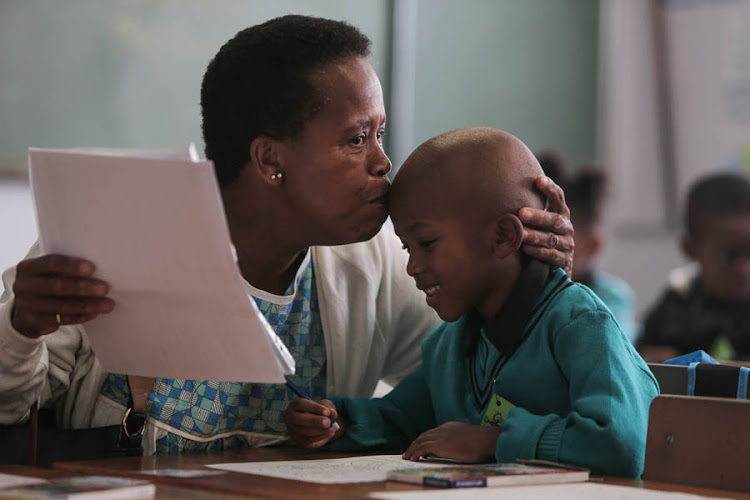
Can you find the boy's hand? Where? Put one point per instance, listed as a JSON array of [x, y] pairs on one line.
[[548, 234], [309, 424], [455, 440]]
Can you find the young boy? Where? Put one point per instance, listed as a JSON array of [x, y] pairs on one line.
[[712, 304], [586, 196], [527, 364]]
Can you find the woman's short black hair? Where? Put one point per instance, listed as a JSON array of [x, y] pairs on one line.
[[259, 84]]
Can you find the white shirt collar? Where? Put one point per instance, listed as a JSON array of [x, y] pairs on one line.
[[281, 300]]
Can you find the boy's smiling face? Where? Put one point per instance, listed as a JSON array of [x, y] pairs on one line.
[[453, 204], [449, 260]]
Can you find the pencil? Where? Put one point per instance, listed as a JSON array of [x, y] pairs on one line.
[[302, 395]]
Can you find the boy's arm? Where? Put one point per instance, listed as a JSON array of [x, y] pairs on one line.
[[620, 299], [610, 391], [391, 422]]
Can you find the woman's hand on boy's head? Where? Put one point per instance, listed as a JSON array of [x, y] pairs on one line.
[[456, 440], [309, 422], [548, 234]]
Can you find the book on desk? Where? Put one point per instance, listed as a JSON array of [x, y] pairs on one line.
[[484, 475], [83, 487]]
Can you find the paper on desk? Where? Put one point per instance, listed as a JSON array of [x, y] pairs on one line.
[[155, 228], [571, 491], [14, 481], [360, 469]]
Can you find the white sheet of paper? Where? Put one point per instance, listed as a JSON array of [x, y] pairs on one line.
[[361, 469], [155, 229], [14, 481], [570, 491]]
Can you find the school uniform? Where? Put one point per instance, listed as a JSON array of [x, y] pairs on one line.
[[689, 319], [617, 295], [580, 390]]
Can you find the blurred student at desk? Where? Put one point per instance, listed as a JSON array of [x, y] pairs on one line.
[[707, 305], [293, 119]]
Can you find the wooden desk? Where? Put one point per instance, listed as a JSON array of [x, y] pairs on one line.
[[163, 491], [268, 487]]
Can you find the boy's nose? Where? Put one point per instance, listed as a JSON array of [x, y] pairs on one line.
[[412, 267]]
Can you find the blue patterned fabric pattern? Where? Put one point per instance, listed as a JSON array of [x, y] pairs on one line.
[[205, 408]]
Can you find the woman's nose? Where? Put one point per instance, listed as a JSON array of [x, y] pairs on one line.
[[380, 164]]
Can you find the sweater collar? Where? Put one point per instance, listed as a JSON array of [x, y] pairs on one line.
[[505, 330]]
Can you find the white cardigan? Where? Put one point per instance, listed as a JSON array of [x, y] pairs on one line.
[[373, 318]]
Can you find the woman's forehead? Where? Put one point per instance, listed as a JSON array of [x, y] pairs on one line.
[[350, 83]]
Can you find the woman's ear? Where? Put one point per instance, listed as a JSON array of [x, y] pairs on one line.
[[265, 158], [508, 235]]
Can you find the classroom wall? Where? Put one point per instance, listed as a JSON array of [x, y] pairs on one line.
[[641, 246], [125, 73], [526, 67], [122, 73]]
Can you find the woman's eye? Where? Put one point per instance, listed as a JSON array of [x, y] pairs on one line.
[[405, 247], [426, 244], [359, 140]]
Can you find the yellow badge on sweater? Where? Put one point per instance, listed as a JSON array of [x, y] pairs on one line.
[[497, 411]]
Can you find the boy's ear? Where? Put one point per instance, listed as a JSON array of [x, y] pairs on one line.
[[687, 243], [265, 157], [507, 235]]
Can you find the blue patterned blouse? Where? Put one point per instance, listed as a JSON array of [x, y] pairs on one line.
[[220, 414]]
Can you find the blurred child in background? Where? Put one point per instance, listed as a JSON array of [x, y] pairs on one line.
[[586, 195], [707, 306]]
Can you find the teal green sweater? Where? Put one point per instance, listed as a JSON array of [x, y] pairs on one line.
[[582, 393]]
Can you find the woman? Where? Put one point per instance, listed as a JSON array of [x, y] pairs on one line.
[[293, 119]]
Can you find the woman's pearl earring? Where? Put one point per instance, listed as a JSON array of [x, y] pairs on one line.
[[276, 176]]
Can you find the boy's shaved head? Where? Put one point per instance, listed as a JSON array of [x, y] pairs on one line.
[[454, 205], [477, 172]]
